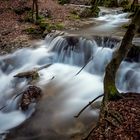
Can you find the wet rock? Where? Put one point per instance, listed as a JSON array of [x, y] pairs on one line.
[[72, 40], [134, 54], [28, 96]]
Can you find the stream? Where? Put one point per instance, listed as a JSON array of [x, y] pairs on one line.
[[70, 89]]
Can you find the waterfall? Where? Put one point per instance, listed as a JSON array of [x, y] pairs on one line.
[[68, 54]]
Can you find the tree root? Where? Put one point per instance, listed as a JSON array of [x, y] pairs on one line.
[[86, 138]]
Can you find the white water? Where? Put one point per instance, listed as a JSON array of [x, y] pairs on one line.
[[67, 93], [71, 92], [109, 22], [111, 19]]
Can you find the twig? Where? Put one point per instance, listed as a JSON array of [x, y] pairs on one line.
[[88, 105], [3, 107], [84, 66], [91, 58], [43, 67]]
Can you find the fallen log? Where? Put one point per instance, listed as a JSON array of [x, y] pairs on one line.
[[31, 73]]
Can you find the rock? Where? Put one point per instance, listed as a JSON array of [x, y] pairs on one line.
[[28, 96]]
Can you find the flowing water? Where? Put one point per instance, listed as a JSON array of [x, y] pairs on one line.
[[69, 90], [109, 23]]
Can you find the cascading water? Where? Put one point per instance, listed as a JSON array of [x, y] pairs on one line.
[[109, 22], [67, 92]]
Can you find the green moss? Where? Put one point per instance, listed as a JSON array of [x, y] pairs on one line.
[[125, 26], [57, 26], [74, 16], [35, 76], [113, 93]]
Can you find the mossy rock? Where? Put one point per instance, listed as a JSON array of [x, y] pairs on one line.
[[90, 12]]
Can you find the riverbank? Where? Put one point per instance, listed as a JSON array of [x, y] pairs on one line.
[[17, 32]]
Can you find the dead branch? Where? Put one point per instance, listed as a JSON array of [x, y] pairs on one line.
[[83, 66], [31, 73], [91, 58], [2, 107], [88, 105]]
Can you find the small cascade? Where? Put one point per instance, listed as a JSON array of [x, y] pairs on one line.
[[68, 92]]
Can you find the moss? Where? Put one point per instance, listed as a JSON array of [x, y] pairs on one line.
[[125, 26], [113, 93], [57, 26], [35, 76], [74, 16]]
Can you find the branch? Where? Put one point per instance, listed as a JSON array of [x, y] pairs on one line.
[[84, 66], [88, 105], [91, 58], [31, 73]]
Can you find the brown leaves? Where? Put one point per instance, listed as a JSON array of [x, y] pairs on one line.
[[129, 128]]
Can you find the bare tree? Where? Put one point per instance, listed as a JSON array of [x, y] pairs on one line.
[[35, 10]]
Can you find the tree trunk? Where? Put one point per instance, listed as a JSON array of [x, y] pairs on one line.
[[111, 69], [36, 9], [33, 11], [134, 5]]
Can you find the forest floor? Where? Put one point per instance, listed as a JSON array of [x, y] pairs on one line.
[[123, 123], [14, 31]]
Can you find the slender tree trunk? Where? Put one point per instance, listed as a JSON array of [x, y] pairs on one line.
[[36, 9], [133, 5], [112, 67], [33, 10], [94, 4]]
